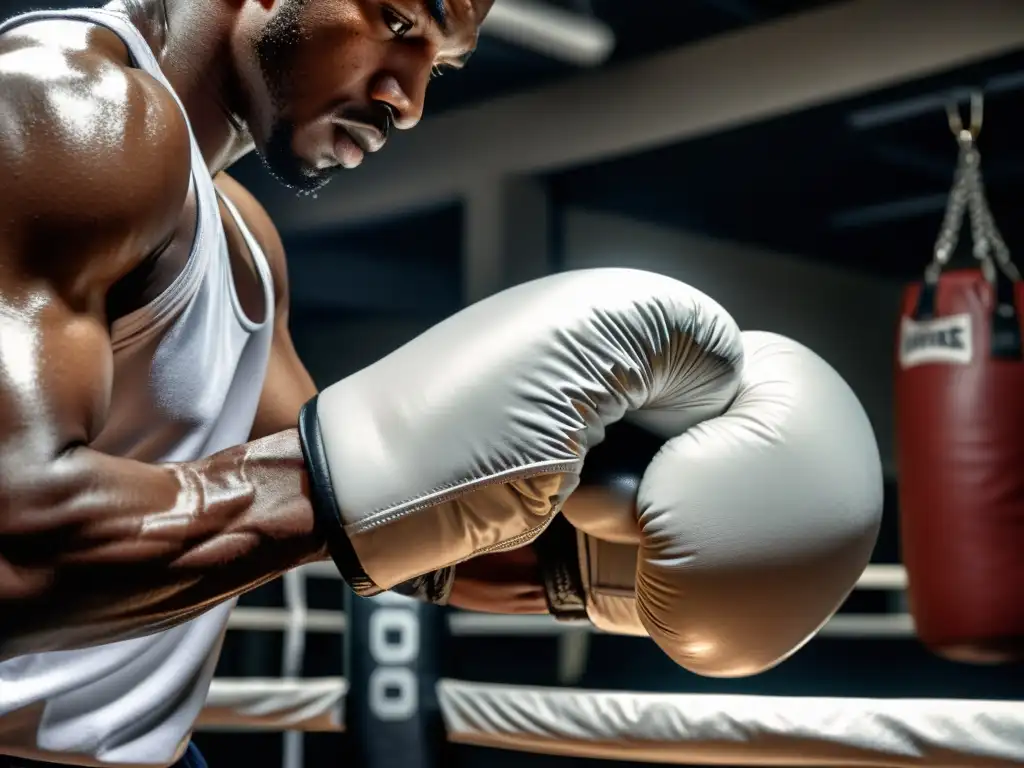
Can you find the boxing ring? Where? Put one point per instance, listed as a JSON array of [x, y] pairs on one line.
[[684, 729]]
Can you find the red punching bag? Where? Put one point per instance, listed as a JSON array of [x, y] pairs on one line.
[[960, 440]]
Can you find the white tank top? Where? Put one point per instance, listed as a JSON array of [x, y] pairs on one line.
[[188, 370]]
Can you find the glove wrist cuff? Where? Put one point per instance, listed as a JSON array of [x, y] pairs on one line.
[[557, 551], [326, 514]]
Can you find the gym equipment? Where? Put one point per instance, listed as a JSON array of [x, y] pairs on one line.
[[960, 432]]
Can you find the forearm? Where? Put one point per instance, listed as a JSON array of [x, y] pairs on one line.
[[95, 548]]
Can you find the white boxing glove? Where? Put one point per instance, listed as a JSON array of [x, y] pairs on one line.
[[470, 437], [747, 532]]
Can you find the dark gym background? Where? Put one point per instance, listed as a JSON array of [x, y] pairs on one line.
[[804, 220]]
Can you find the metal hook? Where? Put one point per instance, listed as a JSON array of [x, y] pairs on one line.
[[969, 135]]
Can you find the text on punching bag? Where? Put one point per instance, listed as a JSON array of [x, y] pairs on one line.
[[942, 340]]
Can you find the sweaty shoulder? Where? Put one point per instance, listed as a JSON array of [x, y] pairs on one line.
[[94, 151]]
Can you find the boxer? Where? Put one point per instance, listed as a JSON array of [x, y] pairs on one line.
[[147, 293], [164, 450]]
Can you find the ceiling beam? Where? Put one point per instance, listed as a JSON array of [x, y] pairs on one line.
[[836, 52], [882, 115], [576, 38]]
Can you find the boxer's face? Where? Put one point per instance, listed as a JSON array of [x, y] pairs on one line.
[[334, 77]]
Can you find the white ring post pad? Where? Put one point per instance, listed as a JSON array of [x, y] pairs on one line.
[[735, 730]]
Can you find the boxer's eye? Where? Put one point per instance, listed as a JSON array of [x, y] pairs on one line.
[[396, 23]]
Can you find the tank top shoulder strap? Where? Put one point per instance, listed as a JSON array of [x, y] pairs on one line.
[[259, 259]]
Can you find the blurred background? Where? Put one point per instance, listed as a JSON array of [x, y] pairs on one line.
[[791, 158]]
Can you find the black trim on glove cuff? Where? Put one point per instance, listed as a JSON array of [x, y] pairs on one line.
[[326, 513], [557, 551]]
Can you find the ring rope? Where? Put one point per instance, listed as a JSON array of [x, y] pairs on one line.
[[875, 578], [683, 729], [312, 705], [663, 728], [890, 625], [702, 729]]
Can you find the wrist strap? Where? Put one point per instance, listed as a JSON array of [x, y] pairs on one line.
[[327, 515], [558, 554]]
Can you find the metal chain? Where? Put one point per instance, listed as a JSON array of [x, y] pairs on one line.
[[968, 197], [989, 246], [993, 245], [976, 206], [952, 222]]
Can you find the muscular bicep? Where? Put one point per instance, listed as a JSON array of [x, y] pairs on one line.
[[88, 196], [97, 548]]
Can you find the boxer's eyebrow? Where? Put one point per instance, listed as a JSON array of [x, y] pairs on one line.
[[438, 13]]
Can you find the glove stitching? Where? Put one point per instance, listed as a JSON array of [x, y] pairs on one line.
[[446, 493]]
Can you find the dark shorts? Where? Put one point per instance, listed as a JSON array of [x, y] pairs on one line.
[[192, 758]]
